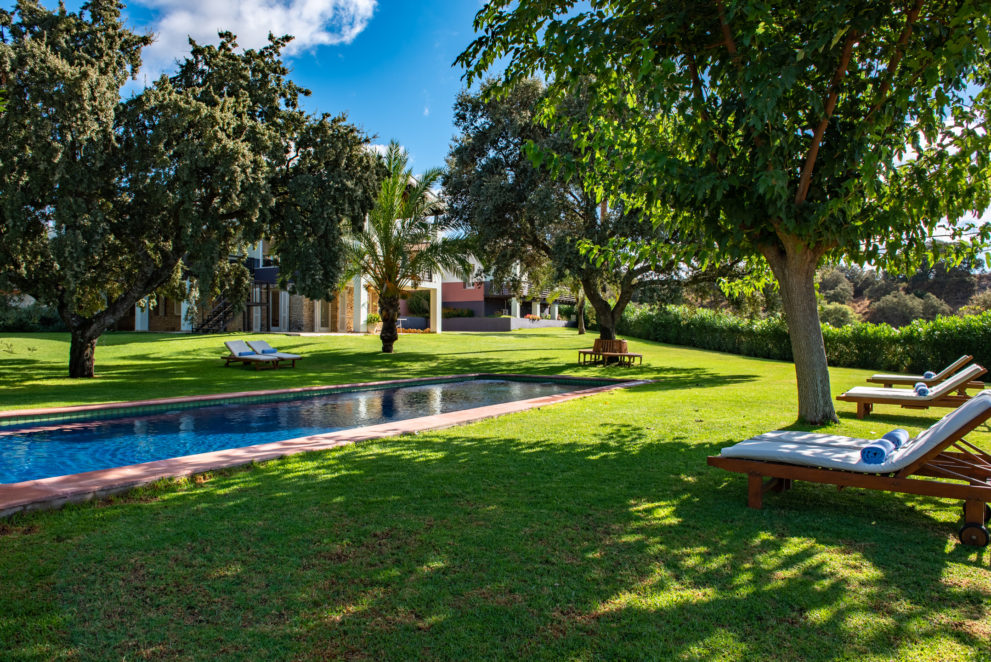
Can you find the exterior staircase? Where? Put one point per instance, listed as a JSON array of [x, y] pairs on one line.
[[217, 319]]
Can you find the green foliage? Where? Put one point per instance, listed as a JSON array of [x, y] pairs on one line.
[[32, 317], [896, 309], [881, 288], [842, 293], [859, 277], [834, 286], [527, 218], [373, 318], [706, 110], [104, 200], [952, 284], [418, 303], [457, 312], [921, 345], [837, 314], [978, 303], [933, 307], [786, 133]]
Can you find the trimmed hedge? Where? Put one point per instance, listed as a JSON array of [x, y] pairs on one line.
[[920, 346]]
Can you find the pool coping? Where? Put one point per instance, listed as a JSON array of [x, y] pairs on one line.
[[57, 491]]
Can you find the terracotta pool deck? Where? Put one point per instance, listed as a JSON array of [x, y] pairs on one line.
[[55, 492]]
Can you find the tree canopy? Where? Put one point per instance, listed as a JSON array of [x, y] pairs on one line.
[[788, 132], [105, 200], [525, 217]]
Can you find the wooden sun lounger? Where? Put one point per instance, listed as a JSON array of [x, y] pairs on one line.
[[241, 353], [603, 350], [965, 462], [888, 381], [941, 396], [263, 348]]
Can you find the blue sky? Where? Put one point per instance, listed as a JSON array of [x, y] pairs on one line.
[[386, 63]]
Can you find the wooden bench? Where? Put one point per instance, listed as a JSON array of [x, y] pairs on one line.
[[604, 350]]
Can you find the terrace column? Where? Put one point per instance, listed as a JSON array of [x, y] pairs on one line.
[[553, 311], [535, 307], [435, 311], [185, 324], [514, 307], [256, 313], [360, 306], [141, 316]]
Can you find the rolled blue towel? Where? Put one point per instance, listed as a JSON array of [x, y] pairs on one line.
[[245, 353], [897, 437], [919, 385], [922, 390], [928, 374], [273, 351], [877, 451]]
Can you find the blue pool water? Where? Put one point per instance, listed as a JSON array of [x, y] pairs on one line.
[[74, 448]]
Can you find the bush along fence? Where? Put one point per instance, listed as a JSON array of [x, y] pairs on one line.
[[918, 347]]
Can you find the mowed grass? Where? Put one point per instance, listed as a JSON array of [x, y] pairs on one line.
[[587, 530]]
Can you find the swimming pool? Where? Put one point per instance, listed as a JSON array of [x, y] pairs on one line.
[[74, 444]]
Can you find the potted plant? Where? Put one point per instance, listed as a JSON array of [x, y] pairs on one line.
[[374, 322]]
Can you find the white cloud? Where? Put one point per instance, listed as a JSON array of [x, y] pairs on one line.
[[312, 23], [426, 111]]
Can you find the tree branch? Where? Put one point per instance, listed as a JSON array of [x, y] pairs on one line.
[[697, 86], [727, 33], [896, 58], [834, 92]]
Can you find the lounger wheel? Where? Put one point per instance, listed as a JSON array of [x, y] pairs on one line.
[[974, 534]]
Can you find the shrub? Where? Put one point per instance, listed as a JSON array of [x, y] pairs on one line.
[[840, 294], [830, 279], [881, 288], [32, 317], [457, 312], [896, 309], [919, 346], [933, 307], [977, 303], [861, 279], [837, 314], [418, 303], [373, 319]]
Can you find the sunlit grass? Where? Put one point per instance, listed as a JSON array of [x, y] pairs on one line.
[[592, 529]]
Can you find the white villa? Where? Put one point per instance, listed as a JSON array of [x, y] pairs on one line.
[[271, 309]]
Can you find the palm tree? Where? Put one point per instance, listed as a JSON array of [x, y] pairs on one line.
[[403, 239]]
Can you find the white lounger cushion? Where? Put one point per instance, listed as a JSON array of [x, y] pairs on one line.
[[941, 389], [236, 347], [832, 451], [940, 376], [264, 348]]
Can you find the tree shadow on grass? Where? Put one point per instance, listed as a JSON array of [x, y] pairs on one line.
[[467, 545]]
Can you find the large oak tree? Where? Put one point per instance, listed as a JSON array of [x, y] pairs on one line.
[[105, 200], [792, 132], [529, 219]]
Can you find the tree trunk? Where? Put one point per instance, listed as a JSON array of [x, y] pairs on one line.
[[82, 354], [389, 311], [607, 317], [581, 315], [794, 266]]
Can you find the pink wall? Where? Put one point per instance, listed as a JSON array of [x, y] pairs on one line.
[[457, 292]]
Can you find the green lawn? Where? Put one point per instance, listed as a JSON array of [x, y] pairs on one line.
[[592, 529]]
